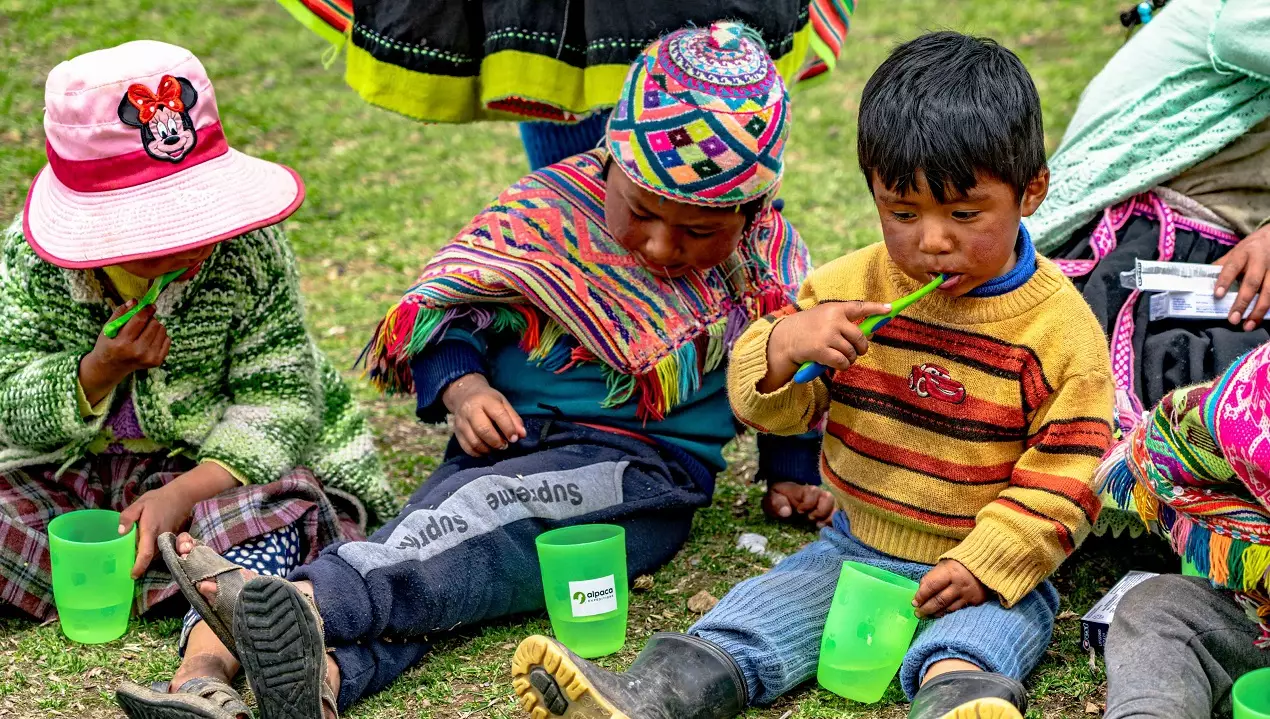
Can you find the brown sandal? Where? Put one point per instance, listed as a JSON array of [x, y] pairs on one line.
[[198, 698], [202, 564]]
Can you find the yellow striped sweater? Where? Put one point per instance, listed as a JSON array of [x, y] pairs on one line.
[[970, 430]]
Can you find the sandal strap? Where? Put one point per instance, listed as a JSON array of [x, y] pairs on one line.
[[328, 701], [217, 692], [317, 614], [204, 563], [229, 585], [201, 564]]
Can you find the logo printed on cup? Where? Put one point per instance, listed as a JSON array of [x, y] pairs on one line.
[[593, 596]]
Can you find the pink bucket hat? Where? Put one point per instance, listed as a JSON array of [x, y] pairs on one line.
[[138, 163]]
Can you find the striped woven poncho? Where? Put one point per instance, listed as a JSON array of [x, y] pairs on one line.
[[1198, 472], [539, 261]]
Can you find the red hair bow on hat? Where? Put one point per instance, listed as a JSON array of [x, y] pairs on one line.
[[148, 103]]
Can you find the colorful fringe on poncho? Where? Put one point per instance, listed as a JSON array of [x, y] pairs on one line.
[[539, 261], [1198, 472]]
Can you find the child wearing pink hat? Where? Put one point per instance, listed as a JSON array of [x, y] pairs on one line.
[[211, 409]]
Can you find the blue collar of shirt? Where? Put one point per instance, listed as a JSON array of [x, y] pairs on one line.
[[1024, 268]]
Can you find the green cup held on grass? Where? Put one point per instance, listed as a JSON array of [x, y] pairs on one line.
[[868, 631], [584, 581], [92, 574], [1251, 695]]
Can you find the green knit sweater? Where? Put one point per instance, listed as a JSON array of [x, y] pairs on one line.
[[243, 383], [1188, 84]]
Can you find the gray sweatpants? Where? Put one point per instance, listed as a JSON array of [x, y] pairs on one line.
[[1175, 648]]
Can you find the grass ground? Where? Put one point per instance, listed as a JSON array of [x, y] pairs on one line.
[[383, 192]]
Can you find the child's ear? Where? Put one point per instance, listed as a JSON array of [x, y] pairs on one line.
[[1035, 192], [189, 96], [130, 115]]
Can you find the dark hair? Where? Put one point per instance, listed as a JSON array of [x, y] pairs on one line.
[[950, 105]]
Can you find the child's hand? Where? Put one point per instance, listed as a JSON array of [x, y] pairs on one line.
[[785, 499], [143, 343], [826, 333], [168, 508], [484, 420], [947, 587]]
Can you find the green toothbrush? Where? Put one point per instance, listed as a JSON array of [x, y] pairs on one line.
[[811, 370], [112, 328]]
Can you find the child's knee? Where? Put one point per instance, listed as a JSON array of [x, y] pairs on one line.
[[1159, 602]]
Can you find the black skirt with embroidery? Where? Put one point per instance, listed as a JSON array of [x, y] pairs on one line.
[[558, 60]]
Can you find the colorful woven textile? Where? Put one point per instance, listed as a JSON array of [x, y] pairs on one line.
[[830, 20], [330, 19], [1196, 472], [540, 260], [703, 117], [464, 61]]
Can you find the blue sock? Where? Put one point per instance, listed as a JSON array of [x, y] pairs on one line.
[[547, 143]]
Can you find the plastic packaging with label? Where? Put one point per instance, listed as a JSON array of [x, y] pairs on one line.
[[1185, 290], [1193, 306], [1151, 276], [1096, 622]]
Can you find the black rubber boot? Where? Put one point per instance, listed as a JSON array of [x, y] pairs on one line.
[[969, 695], [676, 677]]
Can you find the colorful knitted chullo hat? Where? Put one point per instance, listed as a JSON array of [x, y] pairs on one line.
[[703, 118]]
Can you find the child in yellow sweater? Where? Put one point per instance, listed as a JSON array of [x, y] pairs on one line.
[[961, 438]]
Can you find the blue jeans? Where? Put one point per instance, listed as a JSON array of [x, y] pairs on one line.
[[771, 624]]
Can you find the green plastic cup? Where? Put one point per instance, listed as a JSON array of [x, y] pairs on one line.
[[867, 633], [1251, 695], [1189, 570], [92, 574], [585, 584]]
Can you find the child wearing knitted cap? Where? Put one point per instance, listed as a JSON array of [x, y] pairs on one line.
[[210, 410], [576, 331], [959, 449]]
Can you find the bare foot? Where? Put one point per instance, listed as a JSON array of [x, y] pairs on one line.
[[193, 666]]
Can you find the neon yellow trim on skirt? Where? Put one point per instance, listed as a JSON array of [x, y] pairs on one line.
[[505, 75]]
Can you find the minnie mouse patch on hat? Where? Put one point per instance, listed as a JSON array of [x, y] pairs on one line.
[[138, 165]]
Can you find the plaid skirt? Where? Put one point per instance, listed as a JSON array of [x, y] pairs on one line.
[[32, 497]]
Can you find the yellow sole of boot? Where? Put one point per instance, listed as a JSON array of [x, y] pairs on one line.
[[985, 709], [538, 658]]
